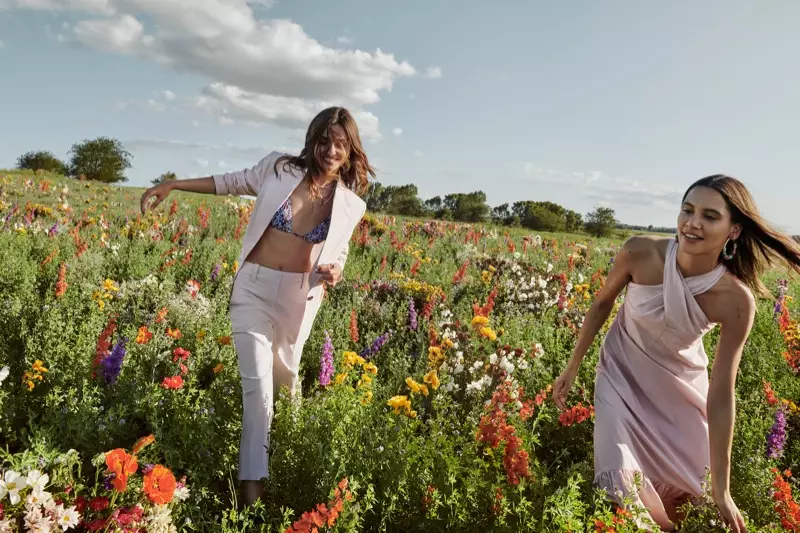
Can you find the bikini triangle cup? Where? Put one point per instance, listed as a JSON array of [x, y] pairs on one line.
[[282, 220]]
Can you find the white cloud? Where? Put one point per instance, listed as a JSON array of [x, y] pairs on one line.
[[156, 106], [222, 164], [172, 145], [168, 95], [418, 153], [433, 72], [398, 131], [253, 108], [344, 40], [202, 162], [2, 45], [196, 123], [257, 65]]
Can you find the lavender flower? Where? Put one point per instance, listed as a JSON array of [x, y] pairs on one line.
[[53, 230], [377, 344], [215, 272], [107, 481], [777, 435], [112, 363], [326, 362], [412, 315]]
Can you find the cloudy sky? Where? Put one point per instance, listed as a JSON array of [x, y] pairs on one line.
[[585, 103]]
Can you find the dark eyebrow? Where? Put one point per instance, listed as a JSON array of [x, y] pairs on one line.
[[707, 210]]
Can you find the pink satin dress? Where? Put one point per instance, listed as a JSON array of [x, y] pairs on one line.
[[650, 393]]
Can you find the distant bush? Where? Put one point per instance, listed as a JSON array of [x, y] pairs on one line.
[[41, 160]]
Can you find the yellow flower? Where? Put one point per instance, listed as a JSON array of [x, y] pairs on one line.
[[415, 387], [432, 379], [352, 359], [340, 378], [367, 398], [235, 266], [435, 356], [366, 379], [200, 334], [38, 366], [370, 368], [110, 286], [488, 333], [447, 343], [479, 321]]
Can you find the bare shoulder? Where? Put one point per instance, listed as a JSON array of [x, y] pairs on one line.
[[734, 301], [643, 257]]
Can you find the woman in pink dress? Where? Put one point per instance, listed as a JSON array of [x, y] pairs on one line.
[[659, 419]]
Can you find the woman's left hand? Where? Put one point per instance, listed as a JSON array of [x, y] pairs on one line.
[[330, 274]]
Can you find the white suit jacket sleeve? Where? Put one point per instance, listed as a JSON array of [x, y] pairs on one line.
[[247, 181]]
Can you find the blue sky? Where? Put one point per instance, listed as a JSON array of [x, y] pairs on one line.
[[585, 103]]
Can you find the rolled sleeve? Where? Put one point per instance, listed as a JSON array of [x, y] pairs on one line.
[[247, 181]]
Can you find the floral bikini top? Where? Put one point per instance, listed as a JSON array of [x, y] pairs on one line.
[[282, 220]]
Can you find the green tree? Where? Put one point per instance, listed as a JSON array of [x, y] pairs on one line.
[[41, 160], [574, 221], [102, 159], [601, 222], [470, 207], [166, 176]]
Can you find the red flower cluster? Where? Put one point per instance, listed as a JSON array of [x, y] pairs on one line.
[[772, 398], [484, 310], [785, 506], [576, 415], [620, 519], [323, 515], [494, 429]]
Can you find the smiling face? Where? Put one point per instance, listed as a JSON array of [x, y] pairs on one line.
[[332, 150], [705, 222]]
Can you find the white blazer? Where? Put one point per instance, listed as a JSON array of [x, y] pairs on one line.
[[271, 190]]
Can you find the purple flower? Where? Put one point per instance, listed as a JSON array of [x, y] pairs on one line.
[[377, 344], [147, 468], [777, 435], [112, 363], [412, 315], [326, 362], [215, 272], [783, 287], [53, 230], [107, 481]]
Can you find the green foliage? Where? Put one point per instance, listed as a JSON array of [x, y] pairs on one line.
[[601, 222], [166, 176], [101, 159], [41, 160]]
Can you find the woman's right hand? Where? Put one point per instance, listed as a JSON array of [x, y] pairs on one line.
[[159, 192], [562, 386]]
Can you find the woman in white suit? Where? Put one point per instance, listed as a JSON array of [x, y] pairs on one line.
[[305, 212]]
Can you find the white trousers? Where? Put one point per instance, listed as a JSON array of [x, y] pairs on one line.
[[266, 309]]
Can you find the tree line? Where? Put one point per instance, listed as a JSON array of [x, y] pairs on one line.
[[106, 160], [472, 207]]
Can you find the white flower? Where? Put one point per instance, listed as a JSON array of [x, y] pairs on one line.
[[493, 358], [36, 522], [37, 480], [67, 518], [182, 493], [11, 484], [458, 369], [549, 267], [40, 497], [6, 526], [4, 373]]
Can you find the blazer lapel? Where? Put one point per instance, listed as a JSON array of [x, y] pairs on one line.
[[340, 217]]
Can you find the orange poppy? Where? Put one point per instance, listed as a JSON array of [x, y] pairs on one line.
[[121, 464], [159, 485]]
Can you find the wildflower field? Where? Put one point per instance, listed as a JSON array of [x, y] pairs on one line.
[[425, 401]]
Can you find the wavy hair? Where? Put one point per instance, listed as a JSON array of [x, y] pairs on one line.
[[356, 168]]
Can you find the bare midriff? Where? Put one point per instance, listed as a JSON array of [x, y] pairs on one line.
[[279, 250]]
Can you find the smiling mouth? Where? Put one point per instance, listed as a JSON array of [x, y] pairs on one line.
[[692, 237]]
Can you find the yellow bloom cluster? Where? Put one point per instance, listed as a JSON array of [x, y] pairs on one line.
[[106, 293], [36, 372], [351, 360], [401, 402], [422, 290]]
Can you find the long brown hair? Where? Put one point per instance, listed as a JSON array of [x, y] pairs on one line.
[[759, 245], [353, 172]]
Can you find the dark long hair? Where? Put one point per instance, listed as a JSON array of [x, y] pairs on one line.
[[759, 245], [355, 169]]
